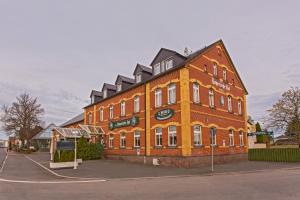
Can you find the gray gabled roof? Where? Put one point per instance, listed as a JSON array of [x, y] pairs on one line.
[[74, 120], [96, 93], [45, 134], [109, 86], [143, 68], [125, 79]]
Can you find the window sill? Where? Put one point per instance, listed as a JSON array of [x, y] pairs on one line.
[[212, 107], [122, 147], [137, 147], [198, 146], [172, 147], [197, 103], [158, 147], [170, 104]]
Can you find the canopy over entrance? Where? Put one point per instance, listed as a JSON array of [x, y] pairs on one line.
[[92, 130], [72, 132]]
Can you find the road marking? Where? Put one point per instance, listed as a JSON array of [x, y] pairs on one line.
[[52, 182], [54, 173], [3, 163]]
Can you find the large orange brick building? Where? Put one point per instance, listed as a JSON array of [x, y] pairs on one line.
[[176, 110]]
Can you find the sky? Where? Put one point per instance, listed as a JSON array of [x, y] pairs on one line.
[[59, 50]]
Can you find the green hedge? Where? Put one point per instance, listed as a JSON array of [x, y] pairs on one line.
[[85, 151], [275, 155]]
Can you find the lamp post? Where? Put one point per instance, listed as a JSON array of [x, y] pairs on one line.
[[75, 152]]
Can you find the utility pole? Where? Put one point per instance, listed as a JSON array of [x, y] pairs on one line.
[[75, 156]]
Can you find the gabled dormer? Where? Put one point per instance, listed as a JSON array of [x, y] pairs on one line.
[[108, 90], [166, 59], [123, 83], [95, 96], [142, 73]]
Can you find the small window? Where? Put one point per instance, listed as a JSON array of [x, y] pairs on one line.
[[229, 104], [104, 93], [156, 68], [231, 138], [136, 104], [213, 136], [101, 114], [119, 87], [123, 108], [224, 74], [169, 64], [138, 78], [163, 66], [197, 135], [90, 117], [241, 137], [172, 135], [196, 93], [215, 68], [111, 141], [158, 136], [240, 107], [137, 138], [222, 101], [211, 98], [158, 98], [171, 94], [123, 140], [111, 112]]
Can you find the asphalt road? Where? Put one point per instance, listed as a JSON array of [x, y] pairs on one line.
[[2, 155]]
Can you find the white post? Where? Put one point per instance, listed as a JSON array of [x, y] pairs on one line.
[[75, 156], [212, 158]]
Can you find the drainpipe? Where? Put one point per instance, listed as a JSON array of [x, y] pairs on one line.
[[145, 106]]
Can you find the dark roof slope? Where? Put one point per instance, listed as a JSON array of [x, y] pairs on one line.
[[167, 51], [143, 68], [96, 93], [74, 120], [125, 79], [110, 86]]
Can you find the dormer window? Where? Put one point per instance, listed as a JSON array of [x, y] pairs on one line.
[[104, 93], [119, 87], [169, 64], [138, 78], [156, 68]]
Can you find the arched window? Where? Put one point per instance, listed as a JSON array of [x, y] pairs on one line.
[[172, 93], [90, 118], [101, 115], [215, 68], [158, 98], [123, 140], [158, 136], [196, 93], [197, 135], [240, 107], [123, 108], [136, 104], [172, 136], [211, 98], [229, 104], [111, 112], [241, 137], [111, 141], [231, 137]]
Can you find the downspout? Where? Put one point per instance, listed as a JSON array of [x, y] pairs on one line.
[[145, 106]]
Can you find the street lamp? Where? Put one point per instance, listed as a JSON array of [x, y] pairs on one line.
[[75, 150]]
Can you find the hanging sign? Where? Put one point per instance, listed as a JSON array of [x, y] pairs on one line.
[[164, 114], [126, 122]]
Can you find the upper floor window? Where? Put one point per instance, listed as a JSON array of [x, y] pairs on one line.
[[215, 68], [137, 138], [222, 101], [224, 74], [123, 140], [123, 108], [213, 136], [240, 107], [171, 93], [90, 118], [172, 135], [163, 66], [169, 64], [101, 114], [241, 137], [111, 112], [229, 103], [211, 98], [119, 87], [136, 104], [197, 135], [138, 78], [158, 136], [231, 138], [196, 93], [156, 68], [105, 93], [158, 97]]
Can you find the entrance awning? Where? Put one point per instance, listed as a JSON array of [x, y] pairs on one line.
[[92, 130], [72, 132]]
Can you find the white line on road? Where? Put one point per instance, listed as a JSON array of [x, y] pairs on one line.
[[51, 182]]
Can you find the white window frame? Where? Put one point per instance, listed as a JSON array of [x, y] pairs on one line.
[[123, 108], [162, 66], [172, 136], [123, 140], [101, 115], [241, 138], [222, 101], [224, 74], [240, 107], [231, 137], [90, 118], [136, 104], [158, 136], [111, 141], [211, 98], [105, 93], [169, 64], [158, 97], [229, 104], [196, 92], [137, 139], [172, 93], [215, 69], [119, 87], [111, 112], [197, 130], [138, 78], [156, 69], [213, 136]]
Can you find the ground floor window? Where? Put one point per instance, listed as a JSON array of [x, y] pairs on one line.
[[137, 139], [111, 141], [123, 140], [172, 135], [241, 138], [197, 135], [213, 136], [231, 138], [158, 136]]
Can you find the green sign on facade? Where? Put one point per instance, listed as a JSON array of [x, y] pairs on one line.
[[164, 114], [126, 122]]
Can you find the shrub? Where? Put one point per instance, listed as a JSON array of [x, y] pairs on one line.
[[275, 155]]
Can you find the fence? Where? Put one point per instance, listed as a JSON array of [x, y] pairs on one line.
[[275, 155]]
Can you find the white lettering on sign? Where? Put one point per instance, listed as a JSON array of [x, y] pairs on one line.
[[219, 84]]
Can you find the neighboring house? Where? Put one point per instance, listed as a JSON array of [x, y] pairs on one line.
[[176, 110], [43, 138], [252, 141]]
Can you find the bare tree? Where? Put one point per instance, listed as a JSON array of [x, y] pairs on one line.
[[22, 117], [285, 114]]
